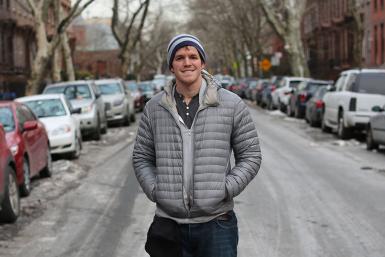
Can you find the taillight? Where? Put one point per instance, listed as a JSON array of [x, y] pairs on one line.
[[302, 97], [319, 104], [353, 104]]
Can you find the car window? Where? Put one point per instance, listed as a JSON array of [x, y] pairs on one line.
[[146, 87], [132, 86], [370, 83], [320, 92], [47, 108], [30, 116], [6, 118], [78, 92], [312, 87], [110, 88], [21, 117], [351, 82], [294, 83], [340, 82]]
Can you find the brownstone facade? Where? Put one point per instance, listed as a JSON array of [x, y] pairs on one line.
[[104, 63], [17, 44], [377, 21]]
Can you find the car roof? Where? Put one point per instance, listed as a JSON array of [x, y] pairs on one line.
[[70, 83], [102, 81], [363, 70], [40, 97]]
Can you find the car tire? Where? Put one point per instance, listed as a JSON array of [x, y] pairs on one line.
[[342, 131], [10, 206], [324, 127], [133, 117], [97, 132], [47, 171], [25, 187], [370, 144], [78, 148], [104, 129]]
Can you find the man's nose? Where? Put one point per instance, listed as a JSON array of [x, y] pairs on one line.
[[187, 61]]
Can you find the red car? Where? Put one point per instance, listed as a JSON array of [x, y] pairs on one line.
[[9, 194], [28, 141]]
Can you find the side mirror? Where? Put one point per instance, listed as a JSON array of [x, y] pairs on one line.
[[330, 88], [377, 109], [97, 95], [30, 125], [76, 111]]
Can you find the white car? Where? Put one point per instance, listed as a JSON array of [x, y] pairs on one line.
[[350, 106], [63, 128], [118, 101], [280, 97]]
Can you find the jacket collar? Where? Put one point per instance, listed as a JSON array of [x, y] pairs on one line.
[[210, 97]]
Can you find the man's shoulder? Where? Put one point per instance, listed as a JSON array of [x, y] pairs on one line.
[[228, 96]]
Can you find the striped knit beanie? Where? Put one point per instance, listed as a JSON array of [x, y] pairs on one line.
[[183, 40]]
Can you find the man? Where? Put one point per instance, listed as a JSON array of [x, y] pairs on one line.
[[182, 156]]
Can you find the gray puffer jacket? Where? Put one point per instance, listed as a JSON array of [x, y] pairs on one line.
[[222, 124]]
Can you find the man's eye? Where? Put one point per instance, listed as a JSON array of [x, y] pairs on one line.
[[194, 57]]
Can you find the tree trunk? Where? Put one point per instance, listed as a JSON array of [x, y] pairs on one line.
[[126, 61], [56, 66], [296, 53], [69, 66]]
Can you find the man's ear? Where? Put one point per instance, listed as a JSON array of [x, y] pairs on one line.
[[203, 65], [172, 69]]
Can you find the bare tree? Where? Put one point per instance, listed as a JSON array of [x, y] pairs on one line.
[[354, 10], [41, 11], [285, 17], [127, 30]]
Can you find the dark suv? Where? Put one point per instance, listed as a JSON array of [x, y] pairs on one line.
[[9, 193]]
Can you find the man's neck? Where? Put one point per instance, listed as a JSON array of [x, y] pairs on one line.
[[188, 91]]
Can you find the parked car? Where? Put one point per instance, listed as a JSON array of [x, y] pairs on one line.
[[251, 89], [237, 87], [86, 95], [375, 130], [262, 84], [28, 141], [137, 94], [147, 89], [9, 193], [63, 128], [349, 108], [315, 106], [280, 96], [300, 95], [159, 81], [118, 101]]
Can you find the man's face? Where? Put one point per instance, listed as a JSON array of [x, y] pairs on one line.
[[187, 65]]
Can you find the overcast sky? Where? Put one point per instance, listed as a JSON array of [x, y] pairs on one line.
[[174, 9]]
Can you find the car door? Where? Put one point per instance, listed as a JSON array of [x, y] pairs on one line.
[[331, 101], [36, 143], [378, 127]]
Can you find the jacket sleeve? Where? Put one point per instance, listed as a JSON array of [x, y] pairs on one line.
[[247, 152], [144, 156]]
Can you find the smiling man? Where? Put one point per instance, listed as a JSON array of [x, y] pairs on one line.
[[182, 158]]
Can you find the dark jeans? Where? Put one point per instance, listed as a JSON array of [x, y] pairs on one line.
[[216, 238]]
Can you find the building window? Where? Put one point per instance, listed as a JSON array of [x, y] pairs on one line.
[[382, 4], [375, 5]]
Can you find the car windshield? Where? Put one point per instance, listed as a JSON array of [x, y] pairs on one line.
[[294, 83], [47, 108], [146, 87], [371, 83], [312, 87], [78, 92], [110, 89], [6, 118], [132, 86]]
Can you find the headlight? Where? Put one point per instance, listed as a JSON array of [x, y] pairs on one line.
[[87, 109], [61, 130], [118, 102], [14, 149]]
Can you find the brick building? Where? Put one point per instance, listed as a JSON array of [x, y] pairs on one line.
[[329, 38], [377, 21], [18, 43]]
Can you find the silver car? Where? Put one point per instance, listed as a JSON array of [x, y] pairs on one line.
[[375, 131], [84, 94], [118, 101]]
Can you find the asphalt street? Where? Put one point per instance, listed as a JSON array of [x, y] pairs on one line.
[[312, 197]]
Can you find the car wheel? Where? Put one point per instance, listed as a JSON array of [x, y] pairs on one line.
[[133, 117], [25, 188], [97, 131], [78, 148], [324, 127], [342, 131], [10, 207], [370, 144], [104, 129], [47, 171]]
